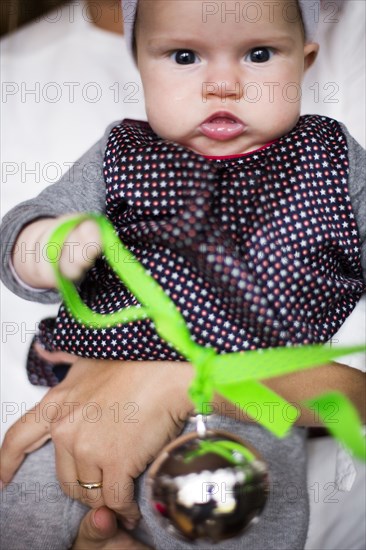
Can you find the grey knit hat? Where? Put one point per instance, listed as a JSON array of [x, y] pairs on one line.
[[309, 11]]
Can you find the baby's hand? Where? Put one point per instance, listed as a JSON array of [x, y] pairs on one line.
[[79, 252]]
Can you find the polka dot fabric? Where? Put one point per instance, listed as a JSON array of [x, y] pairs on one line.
[[257, 251]]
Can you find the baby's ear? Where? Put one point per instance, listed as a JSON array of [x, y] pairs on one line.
[[310, 54]]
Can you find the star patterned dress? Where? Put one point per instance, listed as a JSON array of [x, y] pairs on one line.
[[258, 250]]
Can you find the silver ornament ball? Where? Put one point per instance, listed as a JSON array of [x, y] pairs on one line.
[[210, 486]]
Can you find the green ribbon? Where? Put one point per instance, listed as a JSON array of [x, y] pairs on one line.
[[234, 375]]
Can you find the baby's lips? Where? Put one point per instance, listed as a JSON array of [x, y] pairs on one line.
[[223, 117], [222, 126]]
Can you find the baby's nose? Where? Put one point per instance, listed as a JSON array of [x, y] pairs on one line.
[[223, 82]]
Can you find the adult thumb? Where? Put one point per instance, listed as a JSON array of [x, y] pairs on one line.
[[98, 525]]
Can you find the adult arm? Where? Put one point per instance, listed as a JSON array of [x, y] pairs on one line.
[[108, 420], [91, 418]]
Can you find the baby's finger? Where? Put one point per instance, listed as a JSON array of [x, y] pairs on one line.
[[29, 433], [80, 250]]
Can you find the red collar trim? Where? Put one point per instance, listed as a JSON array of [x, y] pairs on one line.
[[228, 157]]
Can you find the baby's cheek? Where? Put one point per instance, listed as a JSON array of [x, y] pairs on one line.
[[159, 119]]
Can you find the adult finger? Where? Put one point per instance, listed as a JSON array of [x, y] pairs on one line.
[[66, 472], [29, 433], [118, 493], [99, 531], [55, 356], [77, 459], [97, 525], [90, 473]]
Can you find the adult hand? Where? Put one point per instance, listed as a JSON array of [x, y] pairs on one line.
[[108, 421], [99, 531]]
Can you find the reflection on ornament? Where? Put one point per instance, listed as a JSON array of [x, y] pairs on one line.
[[210, 486]]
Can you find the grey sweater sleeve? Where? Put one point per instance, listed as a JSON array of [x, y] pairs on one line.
[[81, 189], [357, 189]]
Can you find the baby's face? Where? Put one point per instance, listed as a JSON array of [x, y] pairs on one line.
[[221, 83]]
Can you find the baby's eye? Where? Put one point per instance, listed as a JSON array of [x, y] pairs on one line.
[[259, 55], [185, 57]]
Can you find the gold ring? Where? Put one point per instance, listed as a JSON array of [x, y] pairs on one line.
[[97, 485]]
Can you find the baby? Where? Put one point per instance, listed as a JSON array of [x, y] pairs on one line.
[[249, 216], [253, 212]]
